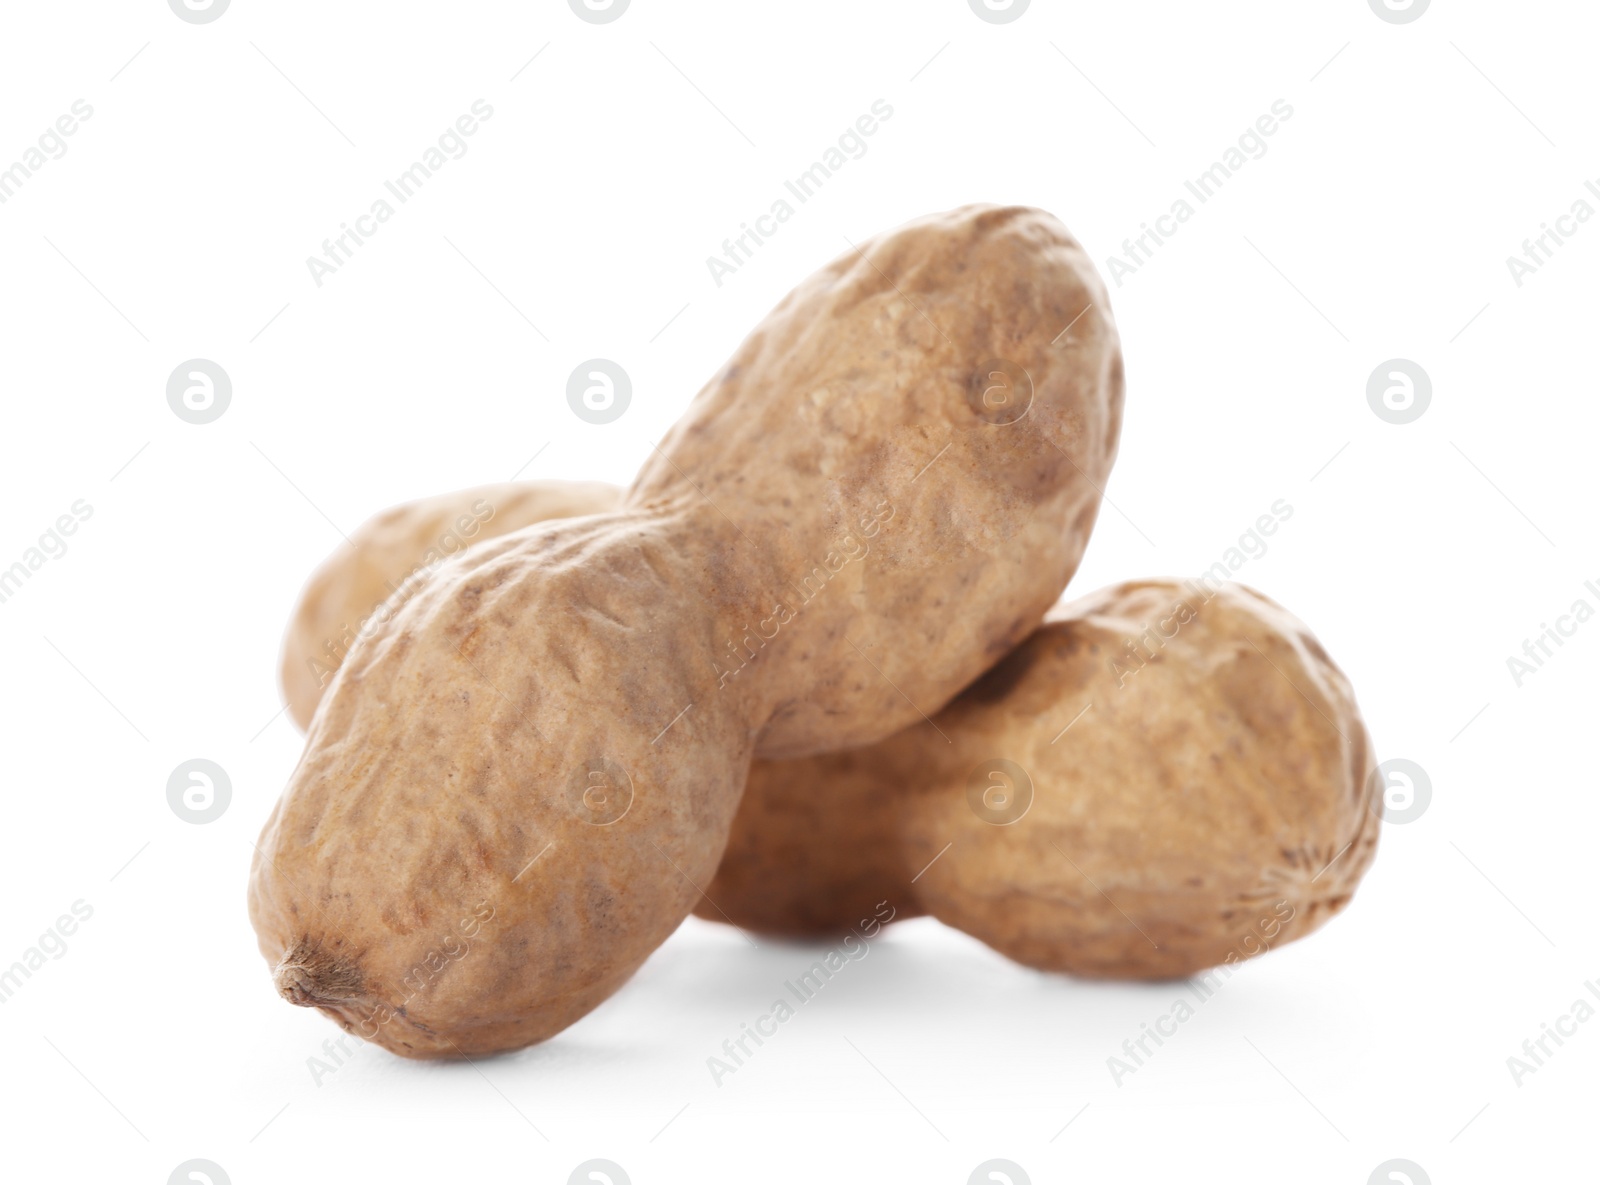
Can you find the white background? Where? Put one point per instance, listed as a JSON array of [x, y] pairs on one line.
[[220, 156]]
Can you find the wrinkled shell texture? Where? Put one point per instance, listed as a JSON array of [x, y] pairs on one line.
[[795, 828], [1201, 783], [386, 554], [513, 786], [817, 842]]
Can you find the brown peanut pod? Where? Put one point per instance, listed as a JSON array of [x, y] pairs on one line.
[[513, 788], [816, 842], [786, 839], [361, 584], [1164, 777]]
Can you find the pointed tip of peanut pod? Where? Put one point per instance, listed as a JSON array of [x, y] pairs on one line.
[[314, 978]]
